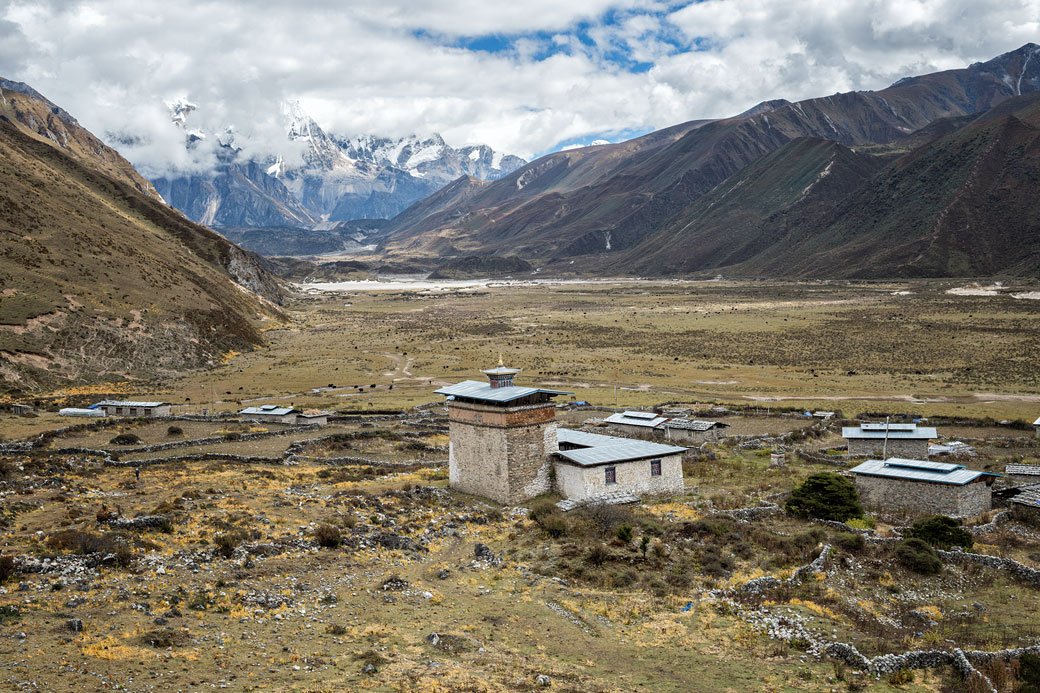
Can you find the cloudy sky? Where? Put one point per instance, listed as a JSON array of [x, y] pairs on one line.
[[525, 77]]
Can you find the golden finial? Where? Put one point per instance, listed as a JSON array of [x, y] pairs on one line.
[[500, 364]]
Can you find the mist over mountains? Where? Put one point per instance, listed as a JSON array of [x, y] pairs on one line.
[[314, 179]]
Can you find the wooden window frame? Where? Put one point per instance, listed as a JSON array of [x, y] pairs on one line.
[[610, 475], [655, 467]]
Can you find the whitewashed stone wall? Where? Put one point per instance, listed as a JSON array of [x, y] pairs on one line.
[[578, 483]]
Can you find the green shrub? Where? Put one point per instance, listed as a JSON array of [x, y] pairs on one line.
[[1029, 673], [919, 557], [941, 532], [624, 533], [853, 543], [174, 431], [826, 496]]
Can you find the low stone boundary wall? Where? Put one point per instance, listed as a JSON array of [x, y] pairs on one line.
[[1022, 572], [753, 513]]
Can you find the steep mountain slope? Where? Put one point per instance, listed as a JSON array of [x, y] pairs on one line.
[[102, 280], [961, 204], [339, 178], [611, 198], [793, 187], [26, 109]]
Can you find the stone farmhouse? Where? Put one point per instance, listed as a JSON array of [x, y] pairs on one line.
[[1016, 474], [589, 465], [505, 445], [1025, 506], [905, 440], [270, 413], [679, 429], [115, 407], [920, 486]]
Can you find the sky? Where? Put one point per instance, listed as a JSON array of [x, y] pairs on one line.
[[526, 78]]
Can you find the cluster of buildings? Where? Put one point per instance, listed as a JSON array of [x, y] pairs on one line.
[[505, 445], [269, 413], [679, 429]]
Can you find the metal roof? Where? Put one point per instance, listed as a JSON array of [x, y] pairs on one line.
[[128, 403], [270, 410], [877, 432], [636, 418], [1022, 469], [919, 470], [1037, 422], [474, 389], [876, 426], [693, 424], [608, 449]]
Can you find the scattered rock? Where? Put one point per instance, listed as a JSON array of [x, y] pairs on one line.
[[75, 625], [543, 680]]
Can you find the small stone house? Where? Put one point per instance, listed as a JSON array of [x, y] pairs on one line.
[[589, 465], [270, 413], [921, 486], [114, 407], [1020, 474], [313, 418], [692, 430], [905, 440], [637, 422], [1025, 506]]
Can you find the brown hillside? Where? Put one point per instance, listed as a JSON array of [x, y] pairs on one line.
[[101, 280]]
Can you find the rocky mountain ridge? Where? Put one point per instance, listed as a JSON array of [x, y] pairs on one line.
[[649, 194], [339, 179]]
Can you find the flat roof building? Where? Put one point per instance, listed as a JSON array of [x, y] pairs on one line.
[[888, 440], [589, 465], [271, 413], [117, 407], [922, 486]]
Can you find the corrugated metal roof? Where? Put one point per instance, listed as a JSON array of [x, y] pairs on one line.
[[877, 426], [636, 418], [1022, 469], [901, 433], [270, 410], [919, 470], [1037, 422], [128, 403], [694, 424], [607, 449], [474, 389]]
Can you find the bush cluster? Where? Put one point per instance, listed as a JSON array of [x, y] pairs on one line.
[[918, 556], [328, 536], [825, 496], [941, 532]]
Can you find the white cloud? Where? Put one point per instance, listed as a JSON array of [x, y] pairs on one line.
[[396, 67]]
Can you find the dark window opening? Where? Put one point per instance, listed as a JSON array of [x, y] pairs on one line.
[[610, 474], [655, 467]]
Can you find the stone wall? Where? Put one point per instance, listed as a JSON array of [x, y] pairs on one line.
[[968, 500], [501, 453], [1029, 514], [683, 435], [874, 447], [576, 482]]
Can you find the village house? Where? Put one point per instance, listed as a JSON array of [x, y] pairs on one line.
[[679, 429], [1025, 506], [693, 430], [504, 444], [270, 413], [115, 407], [589, 465], [313, 417], [921, 486], [1036, 427], [1020, 474], [888, 440]]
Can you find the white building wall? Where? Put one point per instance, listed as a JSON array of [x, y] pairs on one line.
[[579, 483]]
